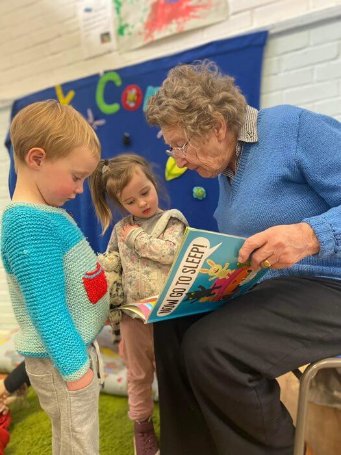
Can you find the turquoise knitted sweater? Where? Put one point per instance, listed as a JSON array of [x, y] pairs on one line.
[[57, 288], [292, 174]]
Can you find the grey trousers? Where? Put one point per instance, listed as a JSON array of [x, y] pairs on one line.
[[73, 414]]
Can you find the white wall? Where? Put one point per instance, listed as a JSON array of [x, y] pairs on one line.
[[40, 47]]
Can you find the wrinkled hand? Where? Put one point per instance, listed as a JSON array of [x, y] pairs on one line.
[[280, 246], [126, 229]]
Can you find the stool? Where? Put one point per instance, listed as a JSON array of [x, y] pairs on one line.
[[305, 381]]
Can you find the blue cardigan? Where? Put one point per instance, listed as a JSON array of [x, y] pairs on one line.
[[292, 174]]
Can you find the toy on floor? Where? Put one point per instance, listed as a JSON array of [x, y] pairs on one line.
[[5, 420], [13, 386]]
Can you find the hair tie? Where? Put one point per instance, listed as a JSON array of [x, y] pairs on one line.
[[105, 167]]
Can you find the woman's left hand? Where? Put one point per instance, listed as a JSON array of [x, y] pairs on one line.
[[279, 246]]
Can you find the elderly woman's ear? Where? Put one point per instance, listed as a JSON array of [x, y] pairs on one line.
[[220, 130], [220, 127]]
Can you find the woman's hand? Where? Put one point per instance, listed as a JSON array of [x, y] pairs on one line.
[[126, 229], [280, 246], [82, 382]]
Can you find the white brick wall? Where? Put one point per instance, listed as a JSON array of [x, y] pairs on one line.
[[303, 66], [40, 46]]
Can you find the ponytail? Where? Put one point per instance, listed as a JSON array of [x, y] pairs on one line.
[[97, 184]]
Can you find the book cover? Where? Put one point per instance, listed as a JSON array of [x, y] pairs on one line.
[[141, 309], [205, 275]]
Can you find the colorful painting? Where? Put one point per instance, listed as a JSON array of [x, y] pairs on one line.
[[139, 23]]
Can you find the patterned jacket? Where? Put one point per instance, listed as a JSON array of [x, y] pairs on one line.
[[148, 252]]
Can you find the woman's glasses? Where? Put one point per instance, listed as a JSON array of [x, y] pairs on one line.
[[178, 152]]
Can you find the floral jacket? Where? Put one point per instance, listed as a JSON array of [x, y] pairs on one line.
[[148, 252]]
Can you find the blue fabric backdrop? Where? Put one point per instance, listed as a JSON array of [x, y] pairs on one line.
[[113, 102]]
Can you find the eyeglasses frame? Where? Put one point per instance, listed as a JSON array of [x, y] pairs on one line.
[[178, 152]]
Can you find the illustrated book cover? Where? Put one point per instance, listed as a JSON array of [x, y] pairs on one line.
[[205, 275]]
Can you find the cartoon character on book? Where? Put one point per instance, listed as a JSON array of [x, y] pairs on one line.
[[226, 281], [201, 293], [216, 270]]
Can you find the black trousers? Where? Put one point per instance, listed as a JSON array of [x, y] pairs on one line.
[[216, 372]]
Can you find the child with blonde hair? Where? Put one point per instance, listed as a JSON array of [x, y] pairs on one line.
[[57, 287], [146, 240]]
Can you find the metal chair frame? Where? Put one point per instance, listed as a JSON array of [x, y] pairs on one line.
[[302, 407]]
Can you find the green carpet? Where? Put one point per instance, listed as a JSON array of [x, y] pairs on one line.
[[31, 432]]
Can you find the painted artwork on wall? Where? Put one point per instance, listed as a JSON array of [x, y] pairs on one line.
[[139, 23], [113, 102], [96, 27]]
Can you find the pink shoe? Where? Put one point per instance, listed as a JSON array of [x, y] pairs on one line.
[[145, 442]]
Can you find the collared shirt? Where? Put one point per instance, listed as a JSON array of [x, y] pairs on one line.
[[247, 133]]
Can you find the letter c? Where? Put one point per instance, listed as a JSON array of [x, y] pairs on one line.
[[112, 76]]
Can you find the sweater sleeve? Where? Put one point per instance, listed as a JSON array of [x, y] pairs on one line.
[[157, 249], [35, 256], [319, 158]]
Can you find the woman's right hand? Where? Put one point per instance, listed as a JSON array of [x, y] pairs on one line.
[[82, 382], [280, 246]]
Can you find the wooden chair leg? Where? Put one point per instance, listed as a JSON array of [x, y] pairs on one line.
[[308, 450]]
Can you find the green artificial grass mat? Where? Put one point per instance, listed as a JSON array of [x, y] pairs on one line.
[[31, 430]]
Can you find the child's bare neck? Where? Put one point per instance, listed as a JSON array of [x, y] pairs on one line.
[[26, 198], [23, 193], [26, 189]]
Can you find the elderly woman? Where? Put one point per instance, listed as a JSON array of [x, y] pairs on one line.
[[279, 172]]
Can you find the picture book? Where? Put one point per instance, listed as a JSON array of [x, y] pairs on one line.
[[205, 275]]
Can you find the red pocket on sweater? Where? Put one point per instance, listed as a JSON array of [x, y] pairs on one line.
[[95, 284]]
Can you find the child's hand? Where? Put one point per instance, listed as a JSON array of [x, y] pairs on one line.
[[4, 397], [3, 408], [3, 391], [126, 229], [82, 382]]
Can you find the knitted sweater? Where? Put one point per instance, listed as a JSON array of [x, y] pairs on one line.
[[148, 252], [292, 174], [57, 288]]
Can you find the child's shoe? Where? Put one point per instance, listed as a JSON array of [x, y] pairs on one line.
[[145, 442]]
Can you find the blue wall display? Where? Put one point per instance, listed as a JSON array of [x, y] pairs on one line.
[[114, 102]]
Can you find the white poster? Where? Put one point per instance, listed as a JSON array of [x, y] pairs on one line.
[[96, 25]]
